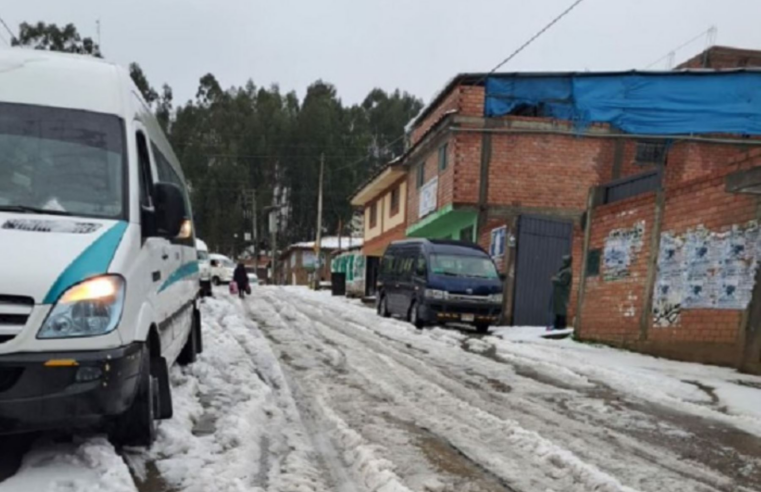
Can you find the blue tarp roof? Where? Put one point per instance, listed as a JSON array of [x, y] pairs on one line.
[[637, 102]]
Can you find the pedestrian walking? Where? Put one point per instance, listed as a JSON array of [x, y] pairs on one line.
[[240, 277], [561, 292]]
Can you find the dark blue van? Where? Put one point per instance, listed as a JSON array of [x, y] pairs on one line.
[[429, 282]]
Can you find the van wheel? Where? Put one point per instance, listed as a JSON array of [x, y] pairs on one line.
[[482, 328], [215, 281], [191, 350], [137, 426], [414, 316], [383, 307]]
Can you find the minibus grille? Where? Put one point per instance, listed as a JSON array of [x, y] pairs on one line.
[[14, 313]]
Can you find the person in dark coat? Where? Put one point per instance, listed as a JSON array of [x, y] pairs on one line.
[[240, 277], [561, 292]]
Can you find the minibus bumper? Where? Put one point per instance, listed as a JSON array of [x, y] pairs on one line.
[[66, 390], [442, 311]]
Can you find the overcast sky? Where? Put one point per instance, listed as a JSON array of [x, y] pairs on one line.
[[415, 45]]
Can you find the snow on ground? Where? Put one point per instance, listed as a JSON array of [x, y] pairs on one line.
[[90, 466], [525, 414], [716, 392], [298, 391]]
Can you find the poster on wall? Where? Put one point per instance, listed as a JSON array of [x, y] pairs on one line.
[[705, 270], [428, 195], [620, 248]]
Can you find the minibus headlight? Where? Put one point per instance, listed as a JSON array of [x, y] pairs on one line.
[[93, 307], [496, 298], [436, 294]]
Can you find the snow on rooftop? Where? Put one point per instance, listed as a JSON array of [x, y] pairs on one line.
[[332, 242]]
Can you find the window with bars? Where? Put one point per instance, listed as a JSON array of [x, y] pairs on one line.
[[650, 152]]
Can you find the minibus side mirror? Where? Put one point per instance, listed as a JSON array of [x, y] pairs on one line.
[[502, 277], [171, 211]]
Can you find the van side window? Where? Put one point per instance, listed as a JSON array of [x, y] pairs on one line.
[[144, 163]]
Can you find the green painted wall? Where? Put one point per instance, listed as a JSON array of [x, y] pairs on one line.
[[446, 223]]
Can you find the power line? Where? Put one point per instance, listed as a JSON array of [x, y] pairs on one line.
[[13, 36], [710, 32], [4, 40], [532, 39]]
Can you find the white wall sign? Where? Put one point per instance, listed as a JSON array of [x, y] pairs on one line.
[[428, 195], [497, 245]]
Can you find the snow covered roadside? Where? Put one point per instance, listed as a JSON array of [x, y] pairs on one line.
[[706, 391], [236, 426], [91, 466]]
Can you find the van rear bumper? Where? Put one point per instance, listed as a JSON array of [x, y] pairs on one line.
[[80, 389], [440, 311]]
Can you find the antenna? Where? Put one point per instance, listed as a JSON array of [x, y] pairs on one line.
[[97, 32]]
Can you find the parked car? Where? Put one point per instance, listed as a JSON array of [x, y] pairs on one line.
[[99, 271], [222, 269], [432, 282]]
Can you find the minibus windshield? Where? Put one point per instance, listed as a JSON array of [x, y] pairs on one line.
[[61, 161], [463, 266]]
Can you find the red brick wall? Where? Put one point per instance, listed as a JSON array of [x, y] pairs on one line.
[[612, 308], [466, 100], [547, 171], [446, 179], [722, 57], [467, 167]]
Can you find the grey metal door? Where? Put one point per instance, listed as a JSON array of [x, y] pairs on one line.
[[541, 244]]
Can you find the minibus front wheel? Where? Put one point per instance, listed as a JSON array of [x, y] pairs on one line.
[[137, 426]]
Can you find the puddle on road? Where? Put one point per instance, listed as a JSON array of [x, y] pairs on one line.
[[152, 481], [467, 475]]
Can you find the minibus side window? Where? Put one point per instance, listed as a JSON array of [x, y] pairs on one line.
[[144, 163]]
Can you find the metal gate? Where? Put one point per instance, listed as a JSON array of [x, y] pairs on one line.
[[541, 244]]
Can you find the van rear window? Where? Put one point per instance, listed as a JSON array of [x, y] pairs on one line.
[[64, 161]]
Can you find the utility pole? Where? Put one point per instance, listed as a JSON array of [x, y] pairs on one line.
[[255, 226], [318, 243]]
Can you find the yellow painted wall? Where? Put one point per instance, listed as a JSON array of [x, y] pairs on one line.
[[390, 222], [372, 232]]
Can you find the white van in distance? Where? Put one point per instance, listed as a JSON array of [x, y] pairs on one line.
[[204, 267], [99, 270], [222, 269]]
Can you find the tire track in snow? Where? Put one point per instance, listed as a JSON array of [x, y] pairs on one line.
[[625, 453]]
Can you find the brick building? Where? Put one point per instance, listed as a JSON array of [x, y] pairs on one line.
[[513, 156], [724, 57], [671, 271]]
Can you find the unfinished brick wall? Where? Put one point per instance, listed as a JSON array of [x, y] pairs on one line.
[[545, 170], [430, 161], [613, 301], [704, 203], [612, 309], [466, 100], [467, 167], [723, 57]]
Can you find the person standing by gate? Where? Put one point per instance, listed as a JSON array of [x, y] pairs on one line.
[[561, 292]]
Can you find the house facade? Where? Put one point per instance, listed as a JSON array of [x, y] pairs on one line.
[[383, 200], [508, 160]]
